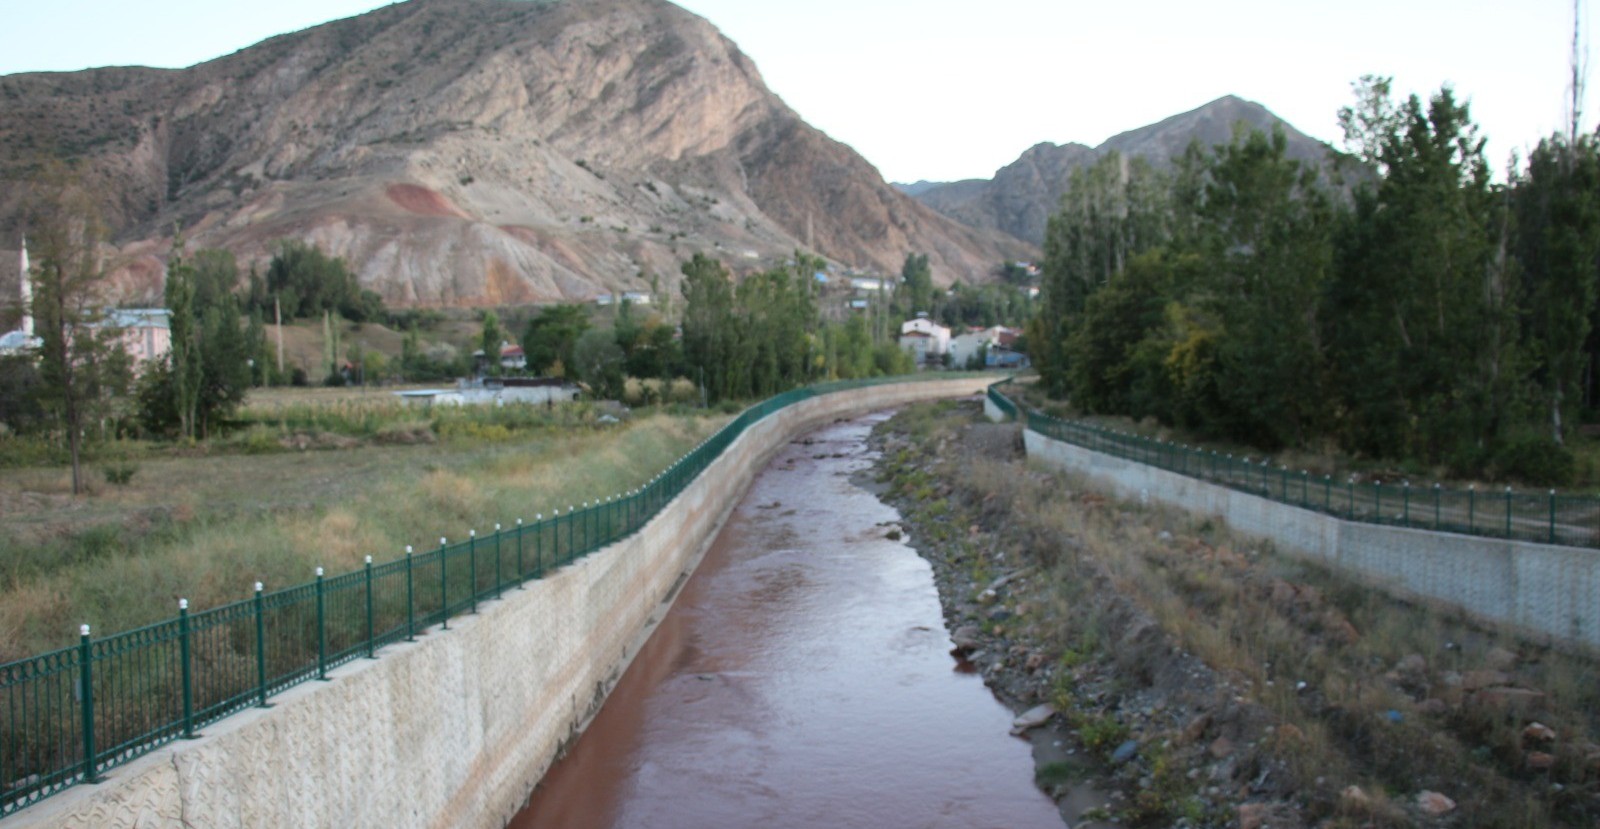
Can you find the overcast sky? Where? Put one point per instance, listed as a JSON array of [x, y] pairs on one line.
[[943, 90]]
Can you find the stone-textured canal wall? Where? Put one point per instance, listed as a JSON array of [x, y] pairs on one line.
[[1542, 589], [455, 729]]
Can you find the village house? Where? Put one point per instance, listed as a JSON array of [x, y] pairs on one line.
[[512, 357], [927, 340]]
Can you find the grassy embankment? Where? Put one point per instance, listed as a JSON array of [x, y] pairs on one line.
[[319, 478], [1322, 701]]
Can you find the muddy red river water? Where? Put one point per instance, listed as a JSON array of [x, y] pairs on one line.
[[802, 679]]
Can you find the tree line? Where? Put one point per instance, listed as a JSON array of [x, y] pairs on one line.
[[1395, 302]]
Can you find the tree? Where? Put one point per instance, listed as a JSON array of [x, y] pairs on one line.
[[183, 357], [308, 282], [1557, 207], [1425, 343], [598, 361], [551, 336], [489, 341], [917, 277], [82, 367], [207, 370], [709, 326]]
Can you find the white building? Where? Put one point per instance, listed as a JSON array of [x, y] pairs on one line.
[[925, 338]]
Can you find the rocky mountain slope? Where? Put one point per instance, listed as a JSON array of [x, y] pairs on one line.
[[473, 152], [1023, 194]]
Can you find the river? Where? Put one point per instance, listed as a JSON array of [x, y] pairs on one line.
[[802, 679]]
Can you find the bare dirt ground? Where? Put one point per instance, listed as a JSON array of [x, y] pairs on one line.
[[1195, 678]]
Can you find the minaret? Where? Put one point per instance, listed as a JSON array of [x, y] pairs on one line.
[[26, 291]]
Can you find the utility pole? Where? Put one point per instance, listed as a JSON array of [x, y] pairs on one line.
[[277, 310]]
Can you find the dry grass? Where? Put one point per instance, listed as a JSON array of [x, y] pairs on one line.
[[207, 527], [1317, 653]]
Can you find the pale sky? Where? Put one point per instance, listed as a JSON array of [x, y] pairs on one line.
[[944, 90]]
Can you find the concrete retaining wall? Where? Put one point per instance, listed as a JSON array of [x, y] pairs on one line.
[[455, 729], [1540, 589]]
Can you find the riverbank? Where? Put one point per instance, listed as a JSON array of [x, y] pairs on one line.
[[1209, 682]]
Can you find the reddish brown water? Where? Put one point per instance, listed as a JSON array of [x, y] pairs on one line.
[[802, 679]]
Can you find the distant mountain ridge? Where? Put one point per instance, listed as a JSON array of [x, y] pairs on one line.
[[1022, 195], [473, 152]]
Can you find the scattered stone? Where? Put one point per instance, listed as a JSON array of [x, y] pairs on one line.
[[1196, 728], [1433, 706], [1125, 752], [1034, 662], [1501, 659], [999, 614], [1355, 799], [1538, 732], [1509, 700], [1220, 747], [1252, 815], [1032, 718], [967, 638], [893, 534], [1477, 680], [1164, 536], [1435, 804], [1540, 761], [1412, 665]]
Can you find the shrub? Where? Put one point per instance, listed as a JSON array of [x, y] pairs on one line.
[[1534, 458], [119, 474]]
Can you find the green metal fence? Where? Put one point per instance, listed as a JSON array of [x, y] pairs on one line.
[[1541, 517], [69, 715]]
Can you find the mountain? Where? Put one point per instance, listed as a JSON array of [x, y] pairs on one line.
[[473, 152], [1023, 194]]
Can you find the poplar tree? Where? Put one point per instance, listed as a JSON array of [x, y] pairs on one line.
[[82, 368]]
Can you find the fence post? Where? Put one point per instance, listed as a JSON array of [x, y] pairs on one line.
[[261, 648], [322, 632], [1472, 502], [570, 516], [497, 588], [1552, 516], [1508, 512], [1327, 494], [86, 678], [1405, 511], [1437, 491], [522, 575], [370, 633], [444, 588], [184, 650], [411, 603], [1305, 488], [1283, 482], [1377, 501], [538, 546], [472, 567]]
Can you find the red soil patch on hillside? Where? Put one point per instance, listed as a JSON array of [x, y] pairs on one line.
[[504, 287], [422, 201]]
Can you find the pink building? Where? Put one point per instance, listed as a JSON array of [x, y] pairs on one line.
[[146, 332]]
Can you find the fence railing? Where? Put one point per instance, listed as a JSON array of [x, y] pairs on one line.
[[69, 715], [1541, 517]]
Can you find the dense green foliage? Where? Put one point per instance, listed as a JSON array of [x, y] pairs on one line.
[[305, 282], [208, 369], [765, 336], [1416, 311]]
